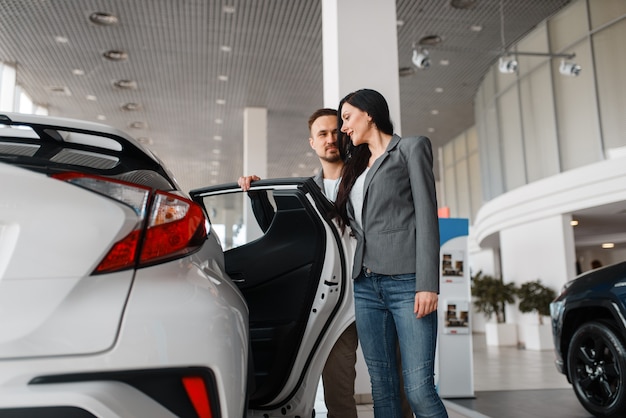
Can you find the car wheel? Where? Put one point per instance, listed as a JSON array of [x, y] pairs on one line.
[[596, 362]]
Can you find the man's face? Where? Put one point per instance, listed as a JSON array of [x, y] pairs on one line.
[[324, 138]]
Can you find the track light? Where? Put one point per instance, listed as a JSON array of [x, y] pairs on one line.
[[507, 65], [569, 68], [421, 59]]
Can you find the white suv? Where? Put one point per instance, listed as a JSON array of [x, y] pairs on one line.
[[118, 298]]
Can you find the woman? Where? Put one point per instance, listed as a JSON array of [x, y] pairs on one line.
[[387, 196]]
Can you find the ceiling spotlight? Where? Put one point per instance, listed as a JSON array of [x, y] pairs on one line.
[[115, 55], [102, 18], [421, 59], [569, 68], [507, 65], [125, 84]]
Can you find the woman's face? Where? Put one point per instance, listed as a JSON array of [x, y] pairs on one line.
[[357, 124]]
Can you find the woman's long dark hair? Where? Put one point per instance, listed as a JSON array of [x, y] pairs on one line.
[[356, 158]]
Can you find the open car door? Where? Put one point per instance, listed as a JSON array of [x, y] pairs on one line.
[[293, 266]]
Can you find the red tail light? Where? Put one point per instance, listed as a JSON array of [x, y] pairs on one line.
[[169, 226]]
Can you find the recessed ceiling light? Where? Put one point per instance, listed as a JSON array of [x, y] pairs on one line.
[[399, 22], [225, 48], [406, 71], [608, 245], [220, 101], [78, 71], [102, 18], [59, 90], [573, 222], [462, 4], [115, 55], [125, 84], [430, 40], [137, 125], [228, 9], [434, 112], [101, 117], [476, 28], [215, 163], [431, 130], [214, 172], [222, 77], [219, 121], [438, 90], [217, 137], [131, 106], [444, 62], [216, 151], [61, 39], [91, 97]]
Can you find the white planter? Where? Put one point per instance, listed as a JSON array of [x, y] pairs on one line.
[[501, 334], [537, 337]]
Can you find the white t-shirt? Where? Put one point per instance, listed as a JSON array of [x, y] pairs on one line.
[[330, 188], [356, 197]]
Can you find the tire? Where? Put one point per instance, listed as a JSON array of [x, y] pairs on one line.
[[596, 363]]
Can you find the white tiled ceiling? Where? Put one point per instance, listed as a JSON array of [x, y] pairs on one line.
[[194, 120]]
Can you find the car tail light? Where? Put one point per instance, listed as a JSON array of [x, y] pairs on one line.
[[169, 225]]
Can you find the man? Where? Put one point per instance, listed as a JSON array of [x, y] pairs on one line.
[[339, 373]]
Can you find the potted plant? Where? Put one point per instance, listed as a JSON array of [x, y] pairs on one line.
[[536, 297], [491, 295]]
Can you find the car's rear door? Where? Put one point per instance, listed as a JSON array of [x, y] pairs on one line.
[[293, 265]]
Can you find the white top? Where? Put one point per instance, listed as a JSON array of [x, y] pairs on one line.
[[330, 188], [356, 197]]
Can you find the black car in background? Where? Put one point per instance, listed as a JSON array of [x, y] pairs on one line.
[[589, 329]]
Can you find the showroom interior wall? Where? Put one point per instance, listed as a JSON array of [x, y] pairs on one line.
[[535, 125]]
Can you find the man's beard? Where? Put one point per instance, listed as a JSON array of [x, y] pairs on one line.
[[333, 158]]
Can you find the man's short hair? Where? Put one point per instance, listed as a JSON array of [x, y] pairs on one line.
[[319, 113]]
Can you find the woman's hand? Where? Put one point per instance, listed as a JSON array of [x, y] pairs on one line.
[[425, 303]]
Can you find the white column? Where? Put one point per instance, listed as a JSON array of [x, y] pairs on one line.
[[254, 158], [8, 79], [360, 50], [542, 249]]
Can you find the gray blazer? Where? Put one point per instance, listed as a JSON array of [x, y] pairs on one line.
[[400, 225], [319, 180]]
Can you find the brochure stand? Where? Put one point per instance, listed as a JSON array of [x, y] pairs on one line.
[[454, 366]]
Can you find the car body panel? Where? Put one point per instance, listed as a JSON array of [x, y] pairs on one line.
[[52, 239]]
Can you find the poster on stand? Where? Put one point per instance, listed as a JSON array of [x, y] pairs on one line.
[[456, 319], [452, 269]]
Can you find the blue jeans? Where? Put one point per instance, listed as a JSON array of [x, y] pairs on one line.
[[384, 316]]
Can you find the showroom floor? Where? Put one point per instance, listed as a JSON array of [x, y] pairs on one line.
[[508, 383]]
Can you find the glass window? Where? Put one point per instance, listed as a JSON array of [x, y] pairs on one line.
[[539, 124], [536, 41], [577, 112], [610, 62], [240, 218], [568, 26], [511, 138], [602, 12]]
